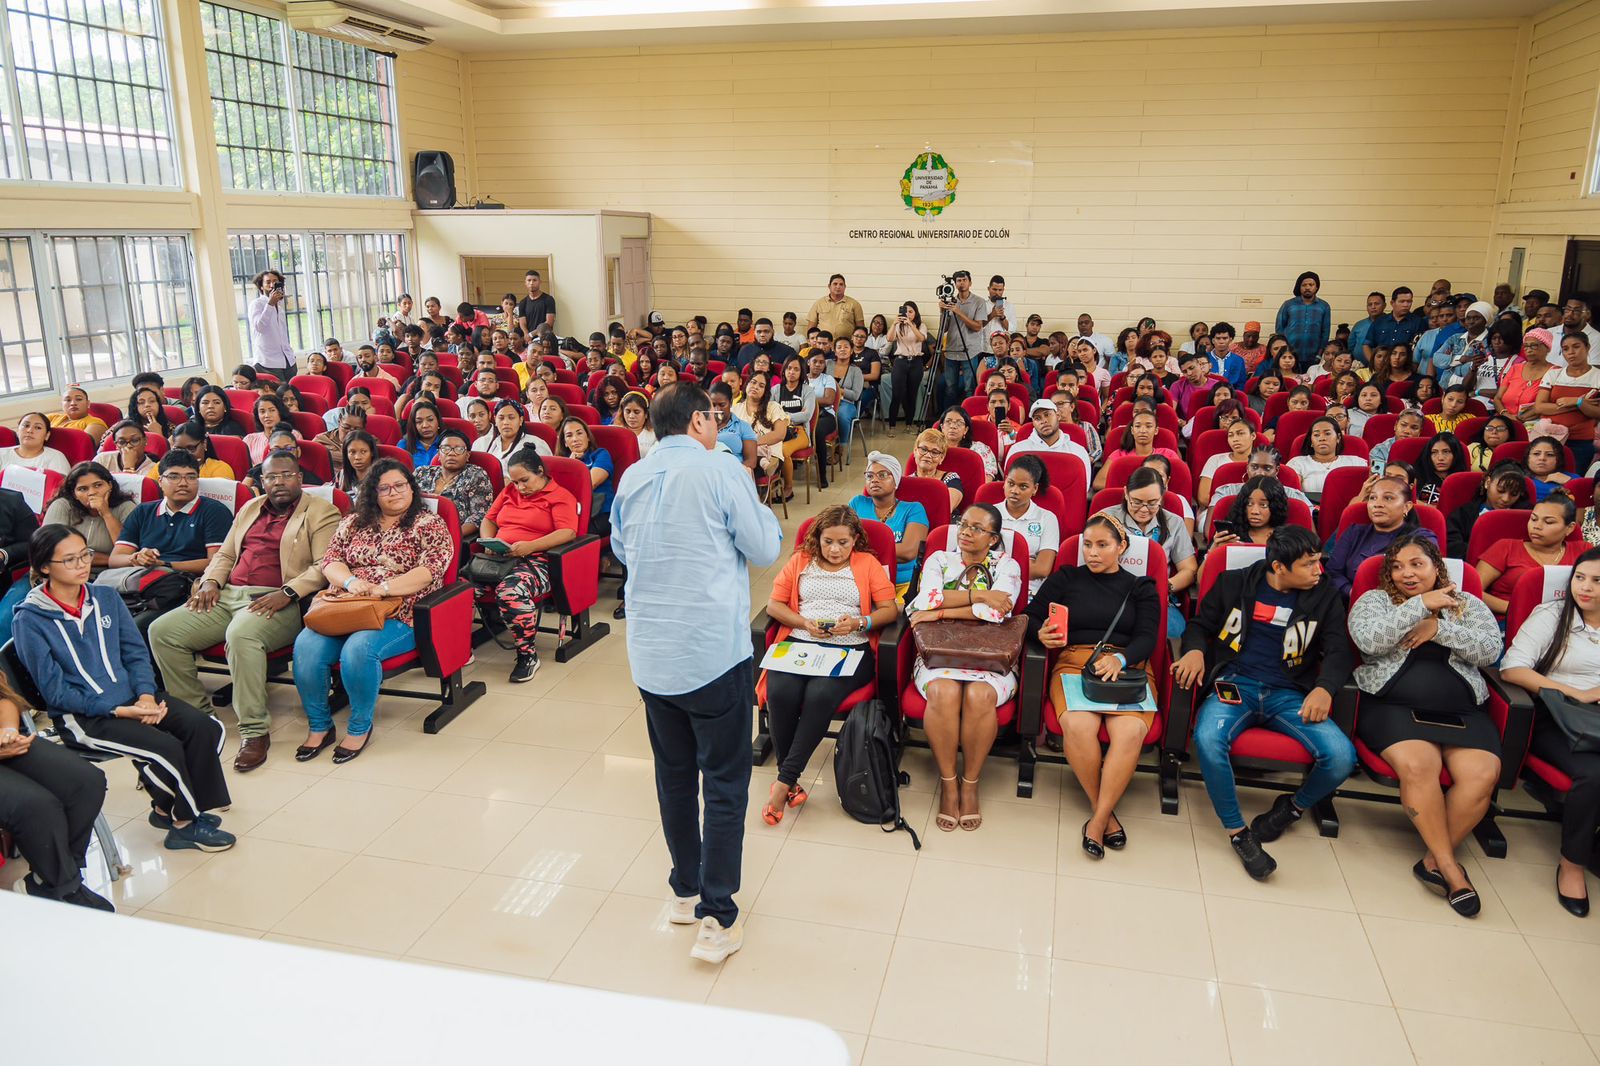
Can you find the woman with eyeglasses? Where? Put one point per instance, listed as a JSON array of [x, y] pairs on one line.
[[928, 453], [79, 645], [907, 520], [92, 505], [32, 449], [956, 425], [193, 438], [977, 579], [1141, 515], [532, 514], [390, 545], [457, 479], [130, 442]]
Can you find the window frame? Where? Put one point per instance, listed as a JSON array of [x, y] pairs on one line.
[[17, 143], [49, 294], [290, 92]]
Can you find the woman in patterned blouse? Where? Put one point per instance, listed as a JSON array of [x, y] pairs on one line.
[[459, 481], [390, 545]]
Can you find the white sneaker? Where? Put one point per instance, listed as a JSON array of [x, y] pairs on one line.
[[682, 912], [714, 943]]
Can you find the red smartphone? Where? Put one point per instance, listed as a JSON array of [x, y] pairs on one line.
[[1058, 618]]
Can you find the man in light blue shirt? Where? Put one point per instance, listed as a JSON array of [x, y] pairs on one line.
[[687, 524]]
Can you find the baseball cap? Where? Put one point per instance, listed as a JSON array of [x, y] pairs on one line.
[[1042, 405], [1252, 327], [656, 319]]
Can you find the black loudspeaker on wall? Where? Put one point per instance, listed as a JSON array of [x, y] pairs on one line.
[[433, 181]]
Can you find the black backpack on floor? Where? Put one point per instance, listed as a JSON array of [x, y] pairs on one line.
[[866, 769]]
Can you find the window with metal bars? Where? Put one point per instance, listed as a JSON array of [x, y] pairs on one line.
[[248, 71], [24, 362], [125, 304], [85, 92], [299, 112], [336, 284]]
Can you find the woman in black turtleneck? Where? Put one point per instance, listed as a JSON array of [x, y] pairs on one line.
[[1092, 593]]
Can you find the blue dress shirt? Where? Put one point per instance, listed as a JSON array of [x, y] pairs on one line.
[[686, 523]]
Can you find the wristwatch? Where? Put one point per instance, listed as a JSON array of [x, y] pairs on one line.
[[294, 597]]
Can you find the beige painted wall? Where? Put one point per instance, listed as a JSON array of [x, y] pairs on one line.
[[1182, 174], [1548, 168], [434, 110]]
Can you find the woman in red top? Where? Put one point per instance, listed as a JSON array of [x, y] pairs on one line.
[[531, 515], [1550, 524]]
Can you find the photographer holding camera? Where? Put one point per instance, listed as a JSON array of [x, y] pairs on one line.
[[963, 342], [270, 349]]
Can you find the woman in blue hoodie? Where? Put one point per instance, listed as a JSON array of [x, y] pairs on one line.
[[80, 645]]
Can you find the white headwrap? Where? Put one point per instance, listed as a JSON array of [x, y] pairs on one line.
[[889, 463], [1484, 308]]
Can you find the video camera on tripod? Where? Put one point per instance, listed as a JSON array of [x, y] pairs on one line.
[[946, 290]]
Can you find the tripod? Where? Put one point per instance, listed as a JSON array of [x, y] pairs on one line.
[[935, 373]]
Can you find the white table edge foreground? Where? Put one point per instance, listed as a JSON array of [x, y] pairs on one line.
[[120, 989]]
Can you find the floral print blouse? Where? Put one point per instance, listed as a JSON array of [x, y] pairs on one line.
[[942, 571], [376, 554], [470, 491]]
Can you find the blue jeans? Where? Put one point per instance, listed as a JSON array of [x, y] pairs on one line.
[[957, 382], [8, 603], [1219, 725], [1176, 622], [360, 657], [848, 413], [701, 741]]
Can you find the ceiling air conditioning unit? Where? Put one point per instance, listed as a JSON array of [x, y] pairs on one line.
[[358, 27]]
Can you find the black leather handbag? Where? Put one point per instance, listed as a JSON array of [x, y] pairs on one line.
[[1131, 684], [1578, 722]]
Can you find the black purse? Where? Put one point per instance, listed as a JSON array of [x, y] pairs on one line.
[[487, 571], [1130, 686], [1578, 722]]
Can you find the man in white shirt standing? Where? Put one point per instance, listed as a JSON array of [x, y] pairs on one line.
[[1101, 342], [269, 327], [1047, 437]]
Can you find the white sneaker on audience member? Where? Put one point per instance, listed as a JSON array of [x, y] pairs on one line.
[[714, 943], [682, 912]]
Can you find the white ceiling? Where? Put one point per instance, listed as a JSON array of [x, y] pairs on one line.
[[500, 25]]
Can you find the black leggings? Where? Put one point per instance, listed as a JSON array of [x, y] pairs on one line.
[[1580, 813], [905, 377], [49, 799], [799, 710]]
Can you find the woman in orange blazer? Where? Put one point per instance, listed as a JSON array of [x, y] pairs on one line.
[[835, 593]]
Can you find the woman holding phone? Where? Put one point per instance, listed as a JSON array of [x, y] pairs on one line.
[[1109, 604]]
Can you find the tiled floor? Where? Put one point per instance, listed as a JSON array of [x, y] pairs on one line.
[[523, 840]]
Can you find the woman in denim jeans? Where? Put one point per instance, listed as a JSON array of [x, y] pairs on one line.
[[390, 545]]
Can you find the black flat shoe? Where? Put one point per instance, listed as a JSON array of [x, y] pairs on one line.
[[344, 755], [1117, 839], [1431, 878], [305, 753], [1464, 901], [1577, 906], [621, 611], [1094, 850]]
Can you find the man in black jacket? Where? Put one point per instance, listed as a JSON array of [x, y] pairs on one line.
[[764, 343], [1270, 642], [17, 523]]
